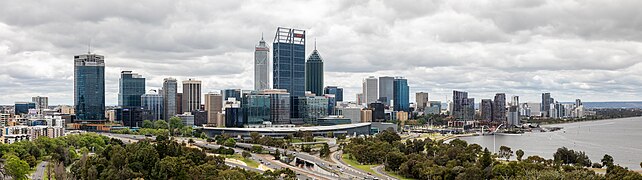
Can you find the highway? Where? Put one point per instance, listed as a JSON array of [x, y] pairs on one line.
[[343, 171], [301, 173]]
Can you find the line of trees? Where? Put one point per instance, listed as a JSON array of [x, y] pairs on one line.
[[427, 159]]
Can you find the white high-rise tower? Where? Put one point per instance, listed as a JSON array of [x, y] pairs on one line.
[[261, 66]]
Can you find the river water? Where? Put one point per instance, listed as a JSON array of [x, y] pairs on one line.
[[620, 138]]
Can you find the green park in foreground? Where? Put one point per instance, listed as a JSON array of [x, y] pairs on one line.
[[428, 159]]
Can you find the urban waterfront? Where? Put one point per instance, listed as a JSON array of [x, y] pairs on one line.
[[619, 138]]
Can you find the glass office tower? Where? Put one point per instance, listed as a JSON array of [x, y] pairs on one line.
[[289, 61], [89, 87], [131, 87], [256, 108], [401, 95], [337, 91]]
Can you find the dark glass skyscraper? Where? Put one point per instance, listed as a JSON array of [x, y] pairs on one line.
[[337, 91], [401, 95], [314, 73], [289, 61], [234, 93], [546, 104], [131, 88], [89, 87], [289, 67], [499, 108]]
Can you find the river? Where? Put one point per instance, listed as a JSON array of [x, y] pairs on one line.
[[620, 138]]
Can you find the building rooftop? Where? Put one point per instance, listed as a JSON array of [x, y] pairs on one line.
[[293, 129]]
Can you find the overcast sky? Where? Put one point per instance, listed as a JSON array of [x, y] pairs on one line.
[[573, 49]]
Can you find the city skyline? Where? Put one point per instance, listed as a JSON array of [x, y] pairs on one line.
[[568, 57]]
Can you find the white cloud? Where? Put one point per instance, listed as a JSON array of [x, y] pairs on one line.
[[574, 49]]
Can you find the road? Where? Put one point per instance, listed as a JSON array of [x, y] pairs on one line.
[[40, 171], [301, 174], [344, 172], [336, 156], [379, 169]]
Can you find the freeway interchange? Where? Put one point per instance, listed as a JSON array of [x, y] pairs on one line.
[[313, 168]]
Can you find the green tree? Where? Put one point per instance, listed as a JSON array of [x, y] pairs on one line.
[[325, 151], [486, 159], [505, 152], [230, 142], [186, 131], [519, 154], [31, 160], [389, 135], [330, 135], [148, 124], [607, 160], [16, 168], [246, 154], [160, 124], [257, 149], [255, 137], [394, 160], [176, 122], [277, 155]]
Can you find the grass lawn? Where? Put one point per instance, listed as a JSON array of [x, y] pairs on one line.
[[250, 163], [355, 164], [395, 175]]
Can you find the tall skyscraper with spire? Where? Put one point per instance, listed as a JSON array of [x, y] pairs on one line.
[[89, 87], [261, 66], [314, 73]]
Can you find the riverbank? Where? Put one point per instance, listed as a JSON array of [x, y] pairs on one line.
[[596, 138], [565, 121]]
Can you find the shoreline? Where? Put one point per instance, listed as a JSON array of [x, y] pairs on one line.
[[577, 121]]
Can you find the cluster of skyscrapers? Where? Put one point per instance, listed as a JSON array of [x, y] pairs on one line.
[[498, 111]]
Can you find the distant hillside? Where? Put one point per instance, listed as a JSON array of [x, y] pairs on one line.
[[630, 104]]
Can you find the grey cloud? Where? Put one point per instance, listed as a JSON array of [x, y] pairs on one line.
[[576, 49]]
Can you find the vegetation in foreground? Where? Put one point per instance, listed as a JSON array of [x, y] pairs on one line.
[[427, 159], [92, 156]]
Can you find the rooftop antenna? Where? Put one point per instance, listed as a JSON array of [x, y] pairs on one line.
[[315, 43], [261, 36], [89, 47]]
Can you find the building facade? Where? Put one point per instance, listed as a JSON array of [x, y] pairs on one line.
[[232, 93], [460, 106], [386, 89], [154, 103], [191, 95], [314, 73], [337, 91], [421, 98], [401, 93], [256, 109], [41, 102], [213, 107], [370, 90], [261, 66], [546, 104], [486, 109], [23, 107], [131, 87], [315, 107], [289, 61], [169, 98], [499, 108], [279, 105], [89, 87]]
